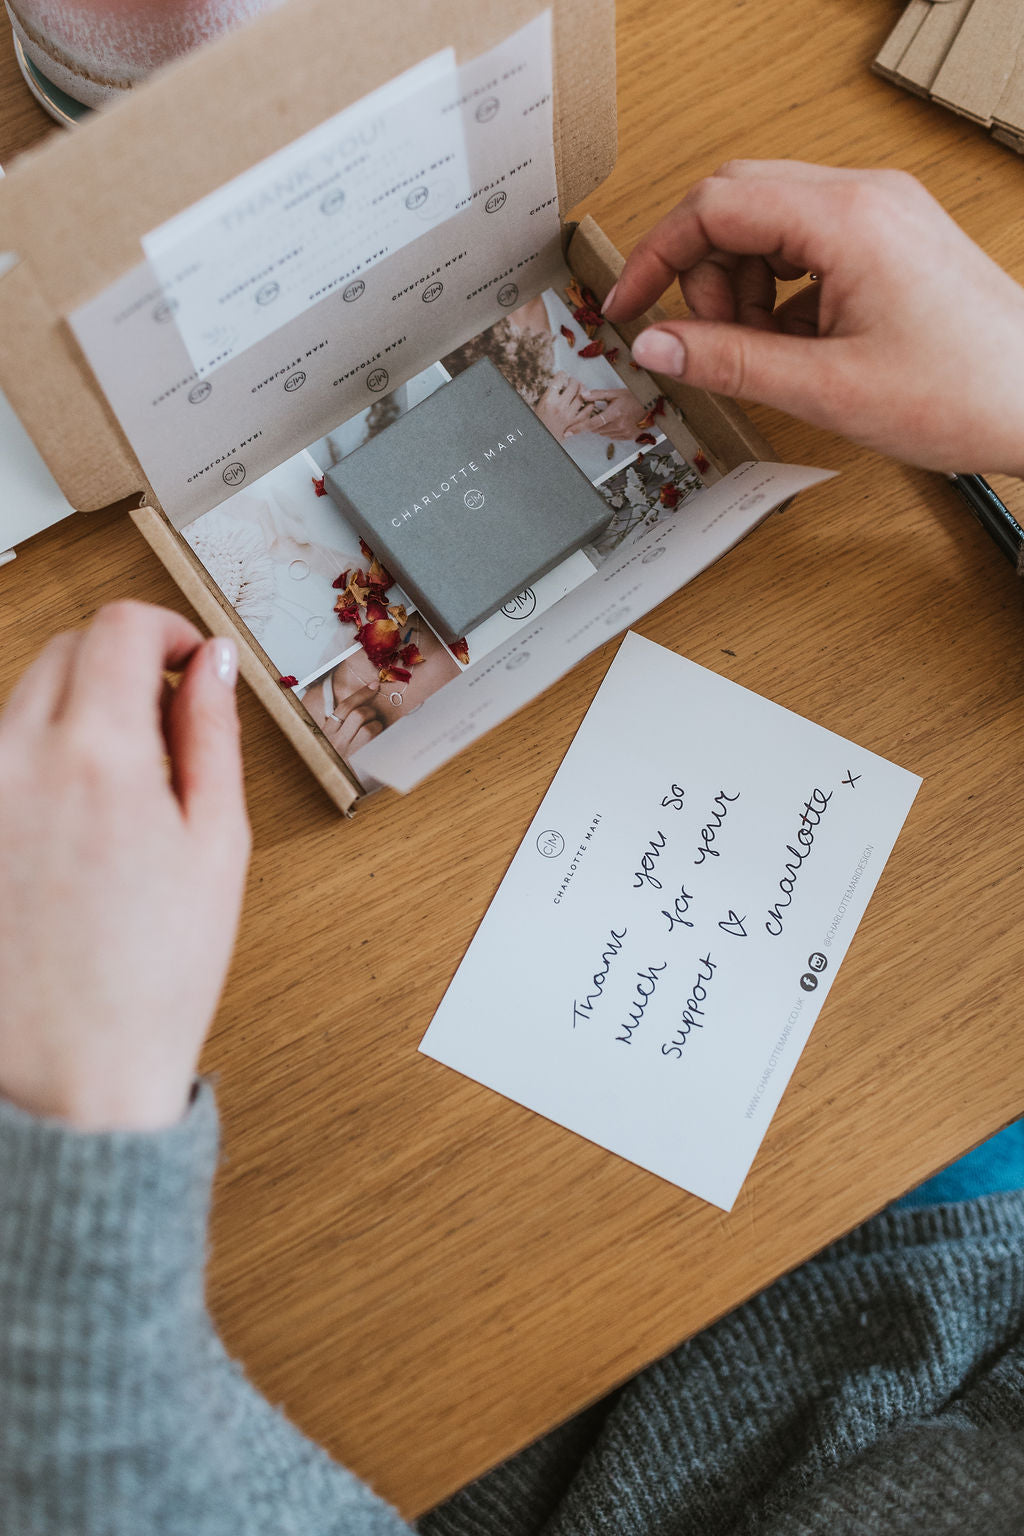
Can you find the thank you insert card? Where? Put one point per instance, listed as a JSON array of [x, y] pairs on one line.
[[654, 960]]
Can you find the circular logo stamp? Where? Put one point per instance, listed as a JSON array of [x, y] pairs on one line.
[[808, 981], [416, 198], [508, 295], [516, 661], [817, 961], [333, 201], [755, 499], [474, 499], [488, 109], [164, 311], [495, 201], [550, 844], [520, 606], [377, 380], [200, 392], [431, 292], [652, 555], [268, 293], [353, 291], [295, 381], [233, 474]]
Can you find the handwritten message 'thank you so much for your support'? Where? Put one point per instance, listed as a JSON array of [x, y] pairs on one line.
[[656, 956]]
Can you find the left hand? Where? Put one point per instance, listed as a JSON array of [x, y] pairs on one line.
[[120, 883]]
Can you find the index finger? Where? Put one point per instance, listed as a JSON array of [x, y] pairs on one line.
[[116, 676], [785, 219]]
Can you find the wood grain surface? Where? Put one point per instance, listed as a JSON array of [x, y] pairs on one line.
[[425, 1275]]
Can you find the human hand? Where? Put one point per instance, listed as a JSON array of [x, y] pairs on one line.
[[910, 340], [561, 407], [614, 413], [354, 717], [120, 887]]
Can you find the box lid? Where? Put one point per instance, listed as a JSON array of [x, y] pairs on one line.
[[74, 212]]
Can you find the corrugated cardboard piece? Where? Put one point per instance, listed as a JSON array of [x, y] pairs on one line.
[[966, 54], [75, 211]]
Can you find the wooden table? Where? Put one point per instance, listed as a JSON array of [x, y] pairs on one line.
[[425, 1275]]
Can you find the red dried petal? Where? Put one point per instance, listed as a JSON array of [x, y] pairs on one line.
[[592, 349], [658, 408], [570, 336], [347, 612], [318, 485], [393, 674], [700, 462], [375, 611], [341, 582], [669, 495], [634, 366], [288, 681], [379, 639], [460, 650], [410, 655], [612, 354], [367, 551], [646, 440]]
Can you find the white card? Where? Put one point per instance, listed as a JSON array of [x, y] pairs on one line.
[[660, 948]]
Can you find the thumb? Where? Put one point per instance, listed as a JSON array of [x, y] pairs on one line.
[[203, 739], [797, 374]]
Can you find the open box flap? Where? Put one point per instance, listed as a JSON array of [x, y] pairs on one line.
[[75, 210]]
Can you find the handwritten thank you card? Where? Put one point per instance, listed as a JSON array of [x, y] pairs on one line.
[[654, 960]]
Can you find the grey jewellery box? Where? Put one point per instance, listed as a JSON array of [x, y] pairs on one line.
[[467, 499]]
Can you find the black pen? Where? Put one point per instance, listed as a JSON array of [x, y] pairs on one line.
[[996, 519]]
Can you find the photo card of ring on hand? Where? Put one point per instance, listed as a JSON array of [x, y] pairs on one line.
[[655, 958]]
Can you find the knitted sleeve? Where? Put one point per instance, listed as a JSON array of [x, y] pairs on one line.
[[120, 1412]]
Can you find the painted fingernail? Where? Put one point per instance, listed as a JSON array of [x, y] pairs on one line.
[[660, 351], [224, 659], [610, 299]]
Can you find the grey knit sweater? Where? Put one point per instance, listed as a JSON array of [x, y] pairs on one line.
[[880, 1388]]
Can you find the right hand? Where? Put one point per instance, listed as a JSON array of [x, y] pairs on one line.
[[910, 341]]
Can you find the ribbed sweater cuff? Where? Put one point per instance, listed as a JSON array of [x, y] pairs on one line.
[[98, 1226]]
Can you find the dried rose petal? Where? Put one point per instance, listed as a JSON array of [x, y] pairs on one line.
[[669, 495], [410, 655], [393, 674], [347, 612], [634, 366], [460, 650], [379, 638], [612, 354], [288, 681], [375, 610], [592, 349], [398, 612], [341, 582], [646, 440], [570, 336], [700, 463], [318, 485]]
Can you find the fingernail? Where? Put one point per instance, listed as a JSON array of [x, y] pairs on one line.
[[660, 351], [224, 658], [610, 299]]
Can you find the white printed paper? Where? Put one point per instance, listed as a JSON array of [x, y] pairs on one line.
[[363, 319], [261, 250], [654, 960]]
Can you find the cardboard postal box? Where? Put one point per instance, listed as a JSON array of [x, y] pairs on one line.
[[91, 209]]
